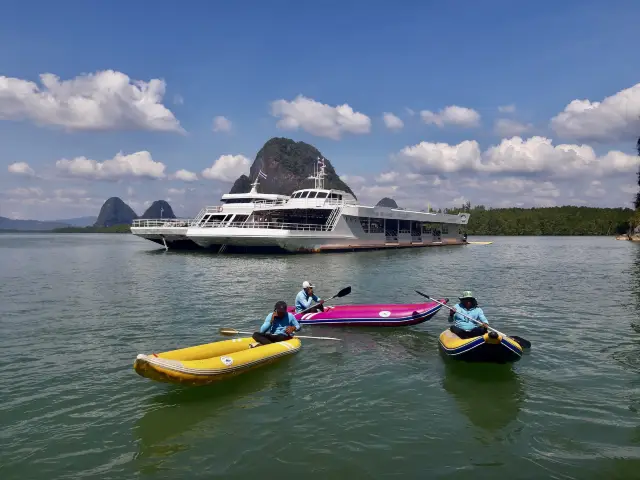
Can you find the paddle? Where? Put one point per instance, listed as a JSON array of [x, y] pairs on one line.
[[232, 331], [522, 341], [345, 291]]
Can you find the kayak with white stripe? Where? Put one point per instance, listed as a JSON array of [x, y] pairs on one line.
[[374, 315], [203, 364]]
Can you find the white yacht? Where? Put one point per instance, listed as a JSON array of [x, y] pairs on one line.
[[323, 220], [172, 232]]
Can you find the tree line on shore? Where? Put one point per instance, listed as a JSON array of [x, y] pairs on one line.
[[565, 220]]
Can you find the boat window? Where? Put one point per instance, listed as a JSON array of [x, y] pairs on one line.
[[376, 225], [304, 194], [312, 194], [296, 195], [322, 194], [364, 223], [445, 228]]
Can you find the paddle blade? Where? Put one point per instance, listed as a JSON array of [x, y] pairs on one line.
[[524, 343], [228, 331], [423, 294], [344, 291]]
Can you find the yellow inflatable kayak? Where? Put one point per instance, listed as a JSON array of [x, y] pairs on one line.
[[489, 347], [208, 363]]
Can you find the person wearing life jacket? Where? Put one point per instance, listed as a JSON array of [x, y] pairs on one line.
[[278, 326], [463, 327], [305, 297]]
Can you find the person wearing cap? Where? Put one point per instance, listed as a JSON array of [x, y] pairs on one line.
[[463, 327], [278, 326], [304, 298]]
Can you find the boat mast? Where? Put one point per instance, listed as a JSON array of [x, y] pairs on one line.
[[318, 174], [254, 186]]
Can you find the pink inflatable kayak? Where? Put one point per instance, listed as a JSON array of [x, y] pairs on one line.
[[391, 315]]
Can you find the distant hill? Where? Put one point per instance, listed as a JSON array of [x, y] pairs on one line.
[[159, 209], [114, 216], [29, 225], [79, 221], [115, 212], [288, 165], [387, 202]]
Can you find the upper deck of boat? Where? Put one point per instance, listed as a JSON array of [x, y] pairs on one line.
[[319, 198]]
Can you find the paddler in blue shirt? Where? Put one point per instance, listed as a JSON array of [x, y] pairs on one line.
[[463, 327], [278, 326], [305, 297]]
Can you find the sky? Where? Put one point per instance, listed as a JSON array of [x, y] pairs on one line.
[[498, 103]]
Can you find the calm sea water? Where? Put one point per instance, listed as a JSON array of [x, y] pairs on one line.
[[75, 310]]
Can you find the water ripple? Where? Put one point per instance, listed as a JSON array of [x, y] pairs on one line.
[[78, 308]]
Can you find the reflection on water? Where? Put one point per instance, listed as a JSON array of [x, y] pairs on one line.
[[626, 351], [490, 395], [77, 309], [635, 282], [178, 414]]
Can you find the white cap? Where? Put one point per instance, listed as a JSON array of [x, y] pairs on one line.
[[306, 284]]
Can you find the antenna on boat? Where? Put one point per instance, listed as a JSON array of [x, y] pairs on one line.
[[256, 182], [318, 174]]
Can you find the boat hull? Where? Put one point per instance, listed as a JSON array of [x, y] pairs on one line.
[[267, 240], [479, 349], [173, 238], [383, 315], [208, 363]]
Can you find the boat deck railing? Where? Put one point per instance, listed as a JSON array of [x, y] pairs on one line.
[[161, 222], [270, 225], [301, 203]]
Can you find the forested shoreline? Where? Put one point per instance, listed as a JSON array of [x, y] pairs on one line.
[[566, 220]]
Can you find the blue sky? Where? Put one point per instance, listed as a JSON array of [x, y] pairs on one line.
[[235, 59]]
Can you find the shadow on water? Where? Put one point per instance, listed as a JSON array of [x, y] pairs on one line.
[[635, 286], [180, 412], [626, 351], [490, 395], [398, 341]]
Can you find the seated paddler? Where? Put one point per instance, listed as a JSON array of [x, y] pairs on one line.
[[306, 297], [463, 327], [278, 326]]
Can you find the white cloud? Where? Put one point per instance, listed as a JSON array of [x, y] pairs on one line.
[[392, 122], [616, 118], [176, 191], [410, 111], [630, 189], [352, 180], [221, 124], [537, 154], [515, 156], [26, 192], [427, 157], [454, 115], [185, 176], [178, 99], [21, 168], [318, 118], [138, 164], [130, 191], [105, 100], [505, 127], [227, 168], [595, 190], [387, 177], [71, 192], [507, 108]]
